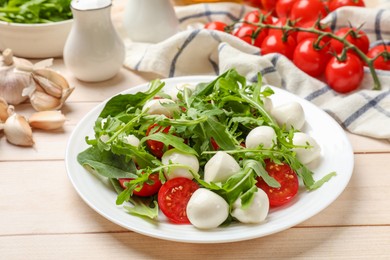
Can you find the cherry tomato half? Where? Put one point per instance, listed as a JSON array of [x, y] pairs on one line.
[[148, 189], [288, 180], [380, 63], [216, 25], [304, 11], [310, 58], [156, 147], [344, 76], [334, 4], [173, 198]]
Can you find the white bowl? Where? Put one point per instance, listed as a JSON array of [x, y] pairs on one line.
[[45, 40]]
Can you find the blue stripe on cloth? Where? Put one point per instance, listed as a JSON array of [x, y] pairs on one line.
[[140, 61], [378, 19], [317, 93], [372, 103], [334, 21], [206, 7], [181, 49], [215, 66], [208, 13]]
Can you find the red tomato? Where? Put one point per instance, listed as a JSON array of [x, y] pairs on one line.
[[254, 17], [283, 8], [148, 189], [344, 76], [268, 5], [381, 63], [310, 58], [356, 37], [173, 198], [288, 180], [248, 32], [334, 4], [273, 43], [305, 35], [216, 25], [156, 147], [304, 11]]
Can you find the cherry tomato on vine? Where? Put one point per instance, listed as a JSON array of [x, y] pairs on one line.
[[334, 4], [254, 17], [148, 189], [356, 37], [311, 58], [251, 34], [156, 147], [305, 35], [304, 11], [216, 25], [381, 63], [281, 22], [274, 43], [173, 198], [344, 76], [288, 180], [283, 8]]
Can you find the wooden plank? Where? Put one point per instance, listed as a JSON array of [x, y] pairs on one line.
[[55, 207], [295, 243]]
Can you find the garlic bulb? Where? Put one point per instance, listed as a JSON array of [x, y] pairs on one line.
[[3, 110], [17, 130], [49, 90], [13, 77], [47, 120]]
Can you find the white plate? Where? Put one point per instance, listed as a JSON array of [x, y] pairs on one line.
[[337, 155]]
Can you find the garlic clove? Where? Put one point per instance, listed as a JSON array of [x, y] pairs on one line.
[[41, 101], [47, 120], [3, 110], [48, 86], [51, 83], [18, 131]]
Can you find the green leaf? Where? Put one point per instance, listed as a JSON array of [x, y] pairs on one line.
[[171, 140], [106, 164], [143, 208], [219, 132], [120, 103], [258, 168]]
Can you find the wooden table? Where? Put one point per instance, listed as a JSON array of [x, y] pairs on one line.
[[42, 216]]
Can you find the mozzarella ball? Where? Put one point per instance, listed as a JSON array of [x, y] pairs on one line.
[[261, 135], [132, 140], [256, 212], [289, 114], [306, 155], [175, 156], [172, 92], [162, 106], [220, 167], [206, 209], [268, 104]]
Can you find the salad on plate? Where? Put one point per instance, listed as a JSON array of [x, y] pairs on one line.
[[205, 154]]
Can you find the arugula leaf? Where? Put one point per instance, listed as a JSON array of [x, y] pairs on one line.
[[143, 208], [172, 140], [106, 164], [120, 103]]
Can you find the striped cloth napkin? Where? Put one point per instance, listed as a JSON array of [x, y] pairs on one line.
[[195, 51]]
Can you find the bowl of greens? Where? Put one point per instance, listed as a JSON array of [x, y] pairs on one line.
[[35, 28]]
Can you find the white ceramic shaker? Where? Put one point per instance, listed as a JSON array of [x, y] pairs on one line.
[[150, 21], [93, 51]]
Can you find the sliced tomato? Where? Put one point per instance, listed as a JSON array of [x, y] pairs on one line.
[[148, 189], [156, 147], [288, 180], [173, 198]]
